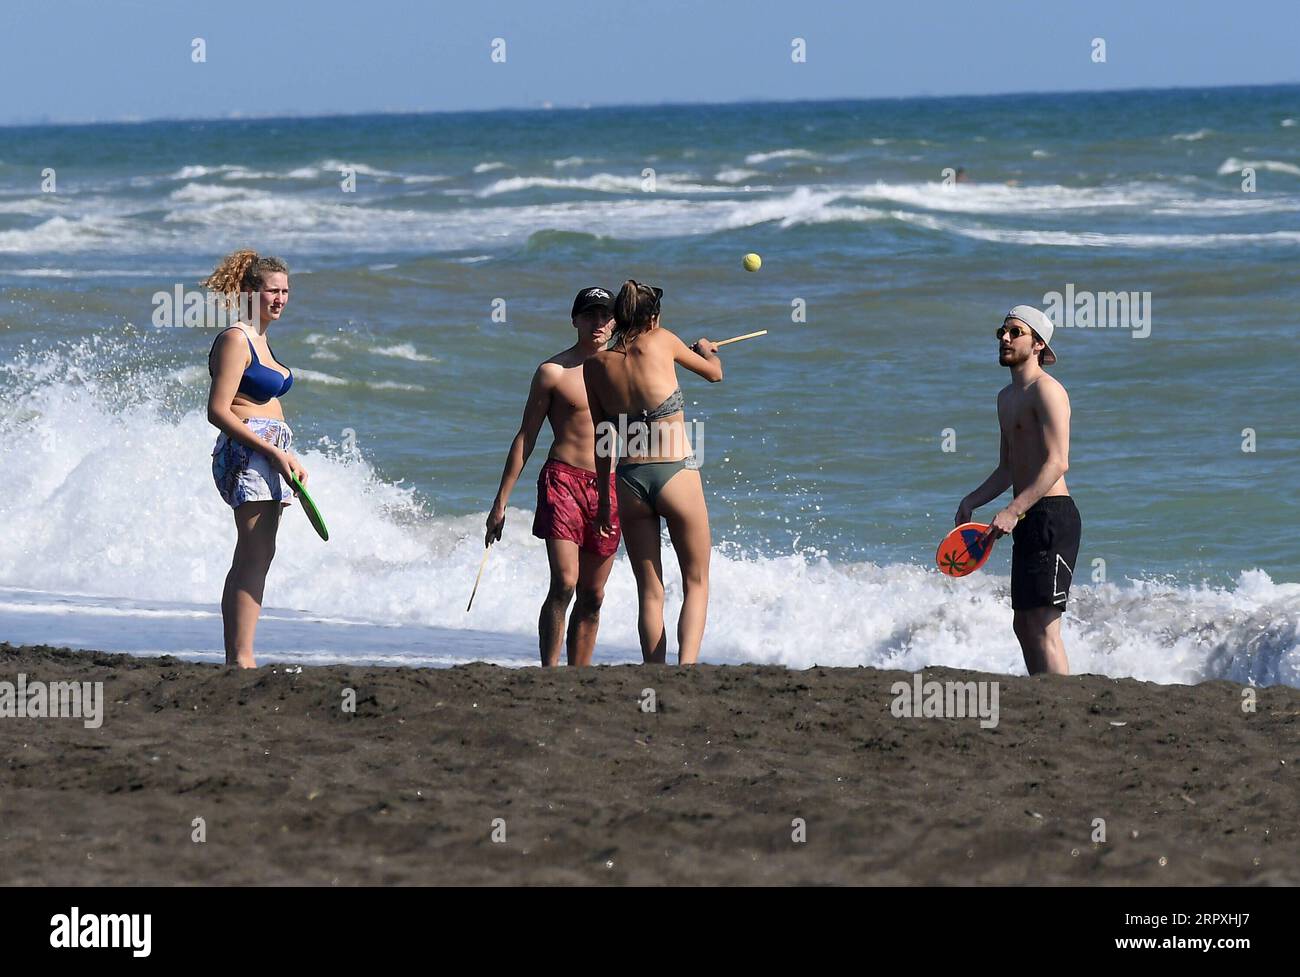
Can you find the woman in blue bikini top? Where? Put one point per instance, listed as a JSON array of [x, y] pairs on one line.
[[260, 384], [244, 404]]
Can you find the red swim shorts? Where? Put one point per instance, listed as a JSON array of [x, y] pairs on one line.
[[566, 508]]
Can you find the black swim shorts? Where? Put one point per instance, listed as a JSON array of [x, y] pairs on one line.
[[1045, 545]]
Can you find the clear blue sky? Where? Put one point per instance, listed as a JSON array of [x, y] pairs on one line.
[[78, 60]]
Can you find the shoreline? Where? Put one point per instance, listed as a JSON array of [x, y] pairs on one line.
[[594, 790]]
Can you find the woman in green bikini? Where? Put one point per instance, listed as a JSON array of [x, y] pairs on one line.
[[632, 388]]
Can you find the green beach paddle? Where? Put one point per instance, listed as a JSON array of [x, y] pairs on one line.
[[309, 507]]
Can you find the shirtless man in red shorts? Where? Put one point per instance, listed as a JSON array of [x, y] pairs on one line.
[[580, 558]]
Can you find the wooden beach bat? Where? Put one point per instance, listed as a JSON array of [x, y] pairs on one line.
[[737, 339], [481, 565]]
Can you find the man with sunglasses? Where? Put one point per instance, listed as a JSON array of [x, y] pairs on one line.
[[1034, 415], [580, 558]]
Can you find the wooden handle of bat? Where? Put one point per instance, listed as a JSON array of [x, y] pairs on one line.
[[737, 339]]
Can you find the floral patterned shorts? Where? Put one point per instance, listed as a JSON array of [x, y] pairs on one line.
[[243, 474]]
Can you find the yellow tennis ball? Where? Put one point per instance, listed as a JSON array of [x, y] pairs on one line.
[[752, 262]]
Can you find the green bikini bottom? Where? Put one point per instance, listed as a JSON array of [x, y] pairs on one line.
[[647, 479]]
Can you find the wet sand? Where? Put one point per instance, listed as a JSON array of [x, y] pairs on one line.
[[586, 787]]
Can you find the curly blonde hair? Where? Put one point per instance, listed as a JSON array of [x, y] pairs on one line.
[[242, 272]]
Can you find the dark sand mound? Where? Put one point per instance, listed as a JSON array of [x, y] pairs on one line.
[[592, 789]]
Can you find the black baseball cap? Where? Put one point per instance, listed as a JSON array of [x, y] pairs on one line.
[[592, 296]]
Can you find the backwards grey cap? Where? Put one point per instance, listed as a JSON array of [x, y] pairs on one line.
[[1039, 323]]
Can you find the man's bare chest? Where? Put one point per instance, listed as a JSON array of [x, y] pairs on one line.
[[570, 397], [1017, 416]]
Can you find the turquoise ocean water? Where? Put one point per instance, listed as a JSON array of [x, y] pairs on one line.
[[824, 454]]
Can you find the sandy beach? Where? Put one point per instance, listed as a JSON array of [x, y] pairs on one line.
[[589, 788]]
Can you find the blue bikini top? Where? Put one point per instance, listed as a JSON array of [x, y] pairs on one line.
[[259, 382]]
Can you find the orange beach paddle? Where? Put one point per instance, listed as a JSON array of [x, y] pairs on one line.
[[962, 551]]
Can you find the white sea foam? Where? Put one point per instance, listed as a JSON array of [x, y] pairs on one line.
[[187, 375], [1235, 166], [314, 376], [753, 159], [287, 214], [63, 234], [1234, 204], [79, 449], [243, 173], [328, 168], [997, 198], [194, 171], [395, 385], [1093, 239], [198, 215], [1196, 136], [404, 351], [803, 206], [332, 167], [601, 183], [38, 206], [100, 273], [735, 175], [489, 167], [1137, 198], [329, 380], [208, 192]]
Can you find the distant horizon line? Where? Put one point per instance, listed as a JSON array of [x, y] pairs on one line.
[[547, 106]]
